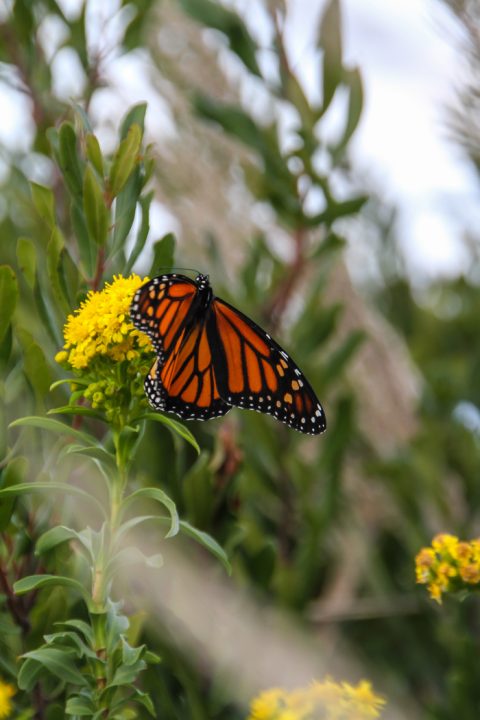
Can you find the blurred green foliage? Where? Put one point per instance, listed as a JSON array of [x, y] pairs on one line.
[[279, 503]]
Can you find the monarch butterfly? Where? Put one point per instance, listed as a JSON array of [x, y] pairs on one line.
[[211, 357]]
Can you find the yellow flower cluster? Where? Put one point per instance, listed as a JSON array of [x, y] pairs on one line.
[[448, 565], [6, 693], [101, 326], [327, 699]]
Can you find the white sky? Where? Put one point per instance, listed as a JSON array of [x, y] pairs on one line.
[[407, 53], [406, 50]]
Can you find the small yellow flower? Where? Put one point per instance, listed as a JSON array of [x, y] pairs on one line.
[[328, 700], [6, 693], [267, 705], [449, 565], [101, 326]]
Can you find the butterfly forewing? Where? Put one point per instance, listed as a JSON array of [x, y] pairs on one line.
[[161, 308], [256, 374]]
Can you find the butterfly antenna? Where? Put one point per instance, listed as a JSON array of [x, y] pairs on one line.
[[174, 268]]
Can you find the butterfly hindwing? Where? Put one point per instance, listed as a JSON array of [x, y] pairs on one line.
[[185, 384], [254, 372]]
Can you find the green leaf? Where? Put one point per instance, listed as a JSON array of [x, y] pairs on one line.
[[35, 364], [59, 663], [144, 699], [142, 234], [69, 381], [215, 15], [55, 248], [87, 249], [37, 582], [174, 426], [8, 297], [82, 627], [77, 410], [96, 212], [44, 201], [29, 674], [159, 496], [27, 259], [27, 488], [125, 208], [79, 705], [95, 452], [69, 160], [135, 116], [54, 426], [353, 80], [330, 41], [12, 475], [163, 254], [54, 537], [125, 160], [94, 153], [208, 542]]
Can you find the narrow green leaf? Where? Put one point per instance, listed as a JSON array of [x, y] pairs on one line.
[[87, 249], [35, 364], [174, 426], [95, 452], [163, 255], [54, 426], [53, 537], [96, 212], [159, 496], [12, 475], [37, 582], [215, 15], [144, 699], [28, 675], [208, 542], [27, 259], [69, 381], [50, 487], [125, 208], [55, 248], [330, 41], [59, 663], [353, 80], [82, 627], [135, 116], [94, 153], [142, 234], [77, 410], [78, 705], [44, 202], [69, 160], [125, 160], [8, 297]]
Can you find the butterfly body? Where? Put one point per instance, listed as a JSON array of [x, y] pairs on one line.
[[211, 357]]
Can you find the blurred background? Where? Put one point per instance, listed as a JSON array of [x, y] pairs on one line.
[[320, 161]]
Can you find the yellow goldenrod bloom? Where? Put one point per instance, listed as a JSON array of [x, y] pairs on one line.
[[7, 691], [327, 699], [448, 565], [101, 326]]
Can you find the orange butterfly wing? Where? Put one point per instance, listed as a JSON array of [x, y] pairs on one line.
[[255, 373], [186, 383], [210, 356], [161, 307]]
